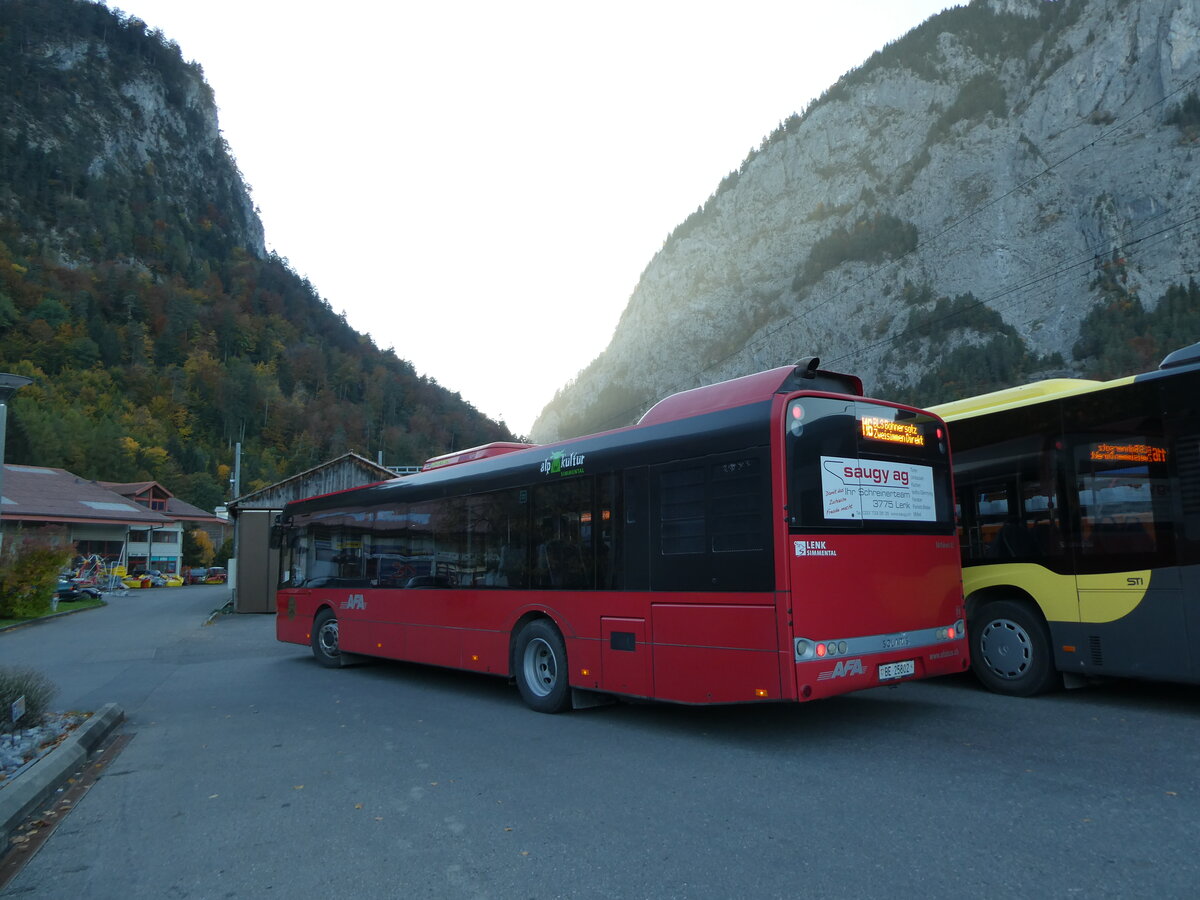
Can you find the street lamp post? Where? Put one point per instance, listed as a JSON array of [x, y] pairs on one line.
[[9, 385]]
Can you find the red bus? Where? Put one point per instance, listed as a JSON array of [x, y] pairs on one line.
[[774, 537]]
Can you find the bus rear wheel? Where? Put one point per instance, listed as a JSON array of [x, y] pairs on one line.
[[540, 667], [325, 639], [1010, 649]]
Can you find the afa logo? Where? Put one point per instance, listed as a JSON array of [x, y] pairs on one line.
[[842, 669], [354, 601]]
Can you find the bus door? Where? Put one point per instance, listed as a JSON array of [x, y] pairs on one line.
[[1016, 531], [1127, 578], [1181, 401]]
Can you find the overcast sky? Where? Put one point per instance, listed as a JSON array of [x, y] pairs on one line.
[[479, 185]]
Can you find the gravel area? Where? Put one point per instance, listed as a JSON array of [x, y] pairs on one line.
[[25, 746]]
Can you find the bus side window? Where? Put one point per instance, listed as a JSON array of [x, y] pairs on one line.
[[1187, 467], [606, 529], [635, 531], [1010, 491], [1121, 481], [563, 514], [991, 513]]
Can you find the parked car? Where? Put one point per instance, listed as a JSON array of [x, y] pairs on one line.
[[68, 590], [216, 575], [142, 578], [196, 576]]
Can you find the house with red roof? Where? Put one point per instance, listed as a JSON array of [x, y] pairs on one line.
[[97, 519], [162, 548], [139, 525]]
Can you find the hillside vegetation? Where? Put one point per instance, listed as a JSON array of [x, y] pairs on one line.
[[135, 288]]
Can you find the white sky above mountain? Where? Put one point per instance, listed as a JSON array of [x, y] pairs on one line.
[[478, 184]]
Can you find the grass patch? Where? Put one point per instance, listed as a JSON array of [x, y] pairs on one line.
[[63, 606]]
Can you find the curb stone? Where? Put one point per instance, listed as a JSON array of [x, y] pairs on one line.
[[26, 793]]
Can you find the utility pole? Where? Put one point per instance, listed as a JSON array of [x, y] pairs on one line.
[[9, 385], [235, 480]]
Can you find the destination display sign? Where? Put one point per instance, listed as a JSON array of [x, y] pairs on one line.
[[877, 429], [1134, 453]]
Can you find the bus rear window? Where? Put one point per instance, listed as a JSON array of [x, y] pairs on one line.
[[864, 466]]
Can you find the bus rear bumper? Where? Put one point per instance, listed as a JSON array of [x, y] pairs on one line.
[[830, 676]]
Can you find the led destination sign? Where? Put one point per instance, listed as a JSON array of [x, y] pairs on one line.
[[1134, 453], [878, 429]]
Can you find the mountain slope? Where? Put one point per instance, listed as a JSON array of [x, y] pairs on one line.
[[136, 290], [989, 198]]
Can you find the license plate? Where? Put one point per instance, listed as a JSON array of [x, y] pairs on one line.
[[900, 669]]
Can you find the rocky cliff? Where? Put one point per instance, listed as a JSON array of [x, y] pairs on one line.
[[951, 216], [101, 121]]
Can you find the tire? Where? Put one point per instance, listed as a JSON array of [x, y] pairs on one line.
[[1010, 649], [325, 639], [540, 667]]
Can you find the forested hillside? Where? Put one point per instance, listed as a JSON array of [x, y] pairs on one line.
[[136, 291]]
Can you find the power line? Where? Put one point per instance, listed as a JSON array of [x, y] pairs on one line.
[[929, 243], [1090, 261]]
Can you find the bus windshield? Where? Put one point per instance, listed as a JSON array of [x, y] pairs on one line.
[[857, 465]]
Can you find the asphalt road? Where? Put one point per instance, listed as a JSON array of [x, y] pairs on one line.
[[253, 772]]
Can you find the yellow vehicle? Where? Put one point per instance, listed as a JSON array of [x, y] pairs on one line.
[[153, 578], [1080, 527]]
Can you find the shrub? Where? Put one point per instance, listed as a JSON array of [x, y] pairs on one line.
[[871, 240], [29, 567], [36, 688], [1187, 116]]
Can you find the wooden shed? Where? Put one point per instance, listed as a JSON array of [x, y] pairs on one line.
[[254, 570]]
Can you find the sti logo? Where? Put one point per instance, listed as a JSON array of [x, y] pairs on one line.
[[843, 668]]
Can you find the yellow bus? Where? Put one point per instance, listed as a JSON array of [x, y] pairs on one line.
[[1079, 522]]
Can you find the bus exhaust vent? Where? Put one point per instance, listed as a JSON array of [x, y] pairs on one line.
[[1097, 649]]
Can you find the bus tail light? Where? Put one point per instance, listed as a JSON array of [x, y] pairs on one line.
[[953, 632], [808, 649]]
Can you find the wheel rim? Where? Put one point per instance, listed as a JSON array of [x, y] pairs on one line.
[[541, 667], [1006, 649], [327, 638]]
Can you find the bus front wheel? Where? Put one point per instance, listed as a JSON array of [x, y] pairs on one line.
[[1010, 649], [540, 667], [325, 639]]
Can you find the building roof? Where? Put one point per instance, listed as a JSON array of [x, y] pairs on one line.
[[143, 492], [38, 494], [133, 488], [345, 471], [183, 511]]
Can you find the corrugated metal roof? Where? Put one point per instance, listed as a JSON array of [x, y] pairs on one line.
[[352, 470]]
